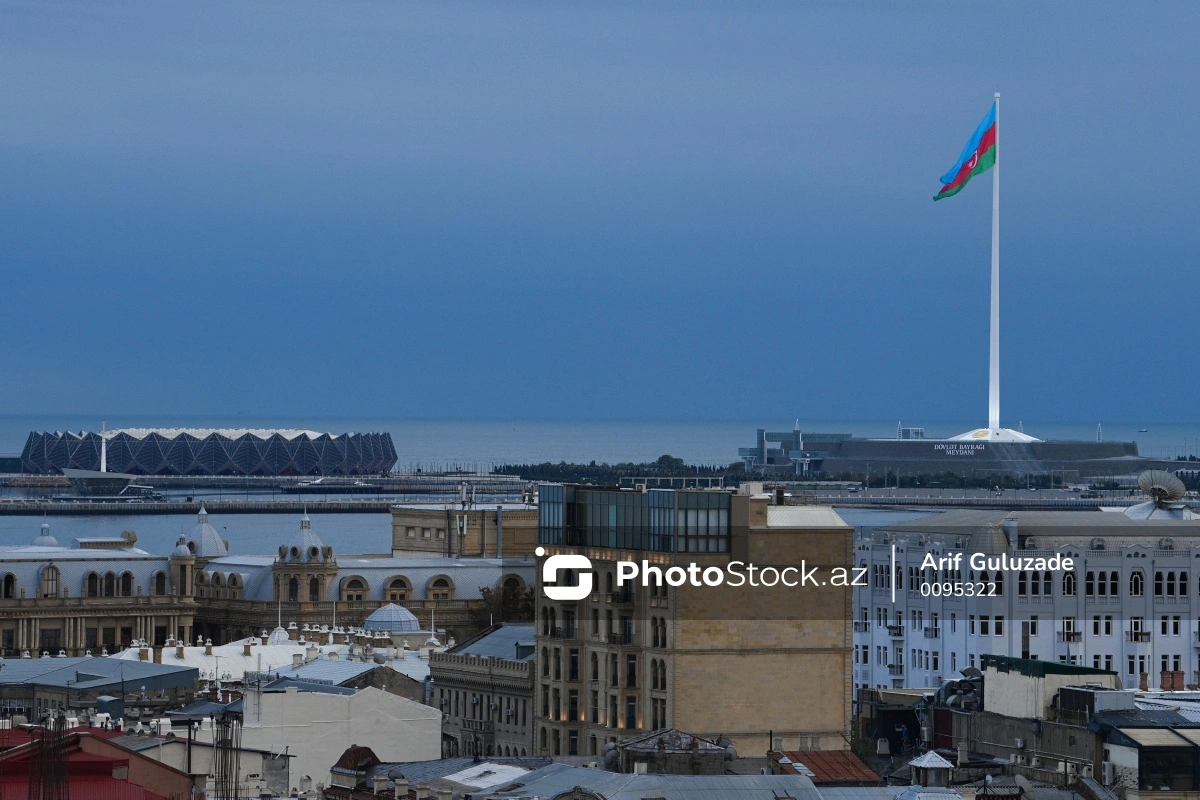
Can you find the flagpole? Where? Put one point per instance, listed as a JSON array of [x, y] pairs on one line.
[[994, 367]]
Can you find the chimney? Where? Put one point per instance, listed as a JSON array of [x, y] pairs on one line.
[[423, 792], [401, 789], [297, 659], [379, 782], [179, 651], [144, 654], [1165, 680], [311, 652], [1144, 681], [158, 655], [246, 649], [445, 793], [962, 754], [208, 647]]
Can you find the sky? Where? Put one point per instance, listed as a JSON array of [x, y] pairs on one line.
[[600, 210]]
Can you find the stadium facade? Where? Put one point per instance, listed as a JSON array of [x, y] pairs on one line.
[[189, 451]]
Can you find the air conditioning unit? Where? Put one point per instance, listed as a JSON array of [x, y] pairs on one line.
[[1086, 770], [1020, 743], [1035, 762], [1072, 768], [1110, 773]]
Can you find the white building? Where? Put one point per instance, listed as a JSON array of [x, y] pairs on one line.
[[316, 723], [1130, 604]]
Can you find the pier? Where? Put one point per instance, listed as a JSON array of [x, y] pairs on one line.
[[33, 506]]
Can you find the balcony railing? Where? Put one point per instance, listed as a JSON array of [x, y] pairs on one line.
[[933, 633], [896, 631], [623, 638], [895, 669], [570, 632], [862, 626], [624, 598], [1070, 636], [1137, 636]]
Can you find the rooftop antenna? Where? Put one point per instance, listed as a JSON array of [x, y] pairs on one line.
[[103, 446], [1099, 433]]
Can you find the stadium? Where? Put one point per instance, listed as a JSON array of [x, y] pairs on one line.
[[189, 451]]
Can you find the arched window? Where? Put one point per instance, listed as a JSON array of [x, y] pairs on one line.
[[1046, 583], [398, 590], [1183, 584], [440, 589], [201, 584], [512, 585], [10, 586], [235, 588], [1102, 584], [93, 585], [654, 631], [1068, 584], [999, 583], [126, 584], [1171, 584], [218, 586], [1137, 583], [1114, 581], [160, 583], [1022, 583], [110, 585], [293, 590], [662, 637], [314, 589], [1089, 584], [1158, 584], [50, 581], [354, 590], [608, 582]]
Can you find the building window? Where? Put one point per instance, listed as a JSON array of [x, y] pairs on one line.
[[50, 581], [93, 585], [440, 589], [314, 589], [1158, 584], [1068, 584], [293, 590], [1137, 583], [160, 583], [354, 590]]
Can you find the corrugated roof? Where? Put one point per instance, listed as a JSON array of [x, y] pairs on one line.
[[1156, 737], [829, 766], [804, 517], [91, 674], [326, 670], [230, 663], [557, 778]]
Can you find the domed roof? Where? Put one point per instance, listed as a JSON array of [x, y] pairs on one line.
[[305, 545], [207, 543], [989, 540], [44, 539], [181, 549], [278, 636], [393, 619]]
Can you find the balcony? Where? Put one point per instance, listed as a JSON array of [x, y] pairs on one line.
[[624, 638], [862, 626], [895, 669], [933, 633], [569, 632], [1137, 636], [896, 631], [1070, 636], [624, 598]]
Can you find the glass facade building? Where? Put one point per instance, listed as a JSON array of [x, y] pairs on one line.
[[659, 520], [211, 452]]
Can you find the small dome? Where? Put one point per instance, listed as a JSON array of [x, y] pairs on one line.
[[278, 636], [44, 539], [392, 619], [305, 546], [181, 549], [208, 543]]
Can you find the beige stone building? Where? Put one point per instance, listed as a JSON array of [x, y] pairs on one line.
[[741, 662], [507, 529], [101, 594], [484, 688]]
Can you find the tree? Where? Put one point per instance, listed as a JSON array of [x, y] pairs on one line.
[[503, 605]]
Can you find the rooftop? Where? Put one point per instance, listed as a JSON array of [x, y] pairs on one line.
[[826, 766]]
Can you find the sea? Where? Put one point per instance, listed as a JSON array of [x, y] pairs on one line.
[[481, 444]]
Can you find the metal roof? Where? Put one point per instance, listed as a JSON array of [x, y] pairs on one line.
[[84, 673], [283, 684], [1060, 523], [202, 433], [829, 766], [230, 663], [326, 670], [556, 778], [1156, 737], [804, 517], [501, 642]]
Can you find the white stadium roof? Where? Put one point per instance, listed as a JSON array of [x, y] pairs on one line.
[[201, 433]]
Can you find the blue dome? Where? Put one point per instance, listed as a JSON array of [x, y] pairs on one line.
[[392, 619], [44, 539]]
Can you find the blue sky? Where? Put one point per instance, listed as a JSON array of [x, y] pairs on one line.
[[594, 210]]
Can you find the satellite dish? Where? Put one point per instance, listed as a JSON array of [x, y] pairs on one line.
[[1162, 486]]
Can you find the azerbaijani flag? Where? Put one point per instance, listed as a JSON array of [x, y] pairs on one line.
[[978, 156]]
